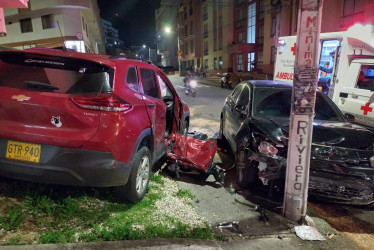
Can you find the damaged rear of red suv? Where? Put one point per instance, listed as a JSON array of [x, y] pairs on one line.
[[85, 119]]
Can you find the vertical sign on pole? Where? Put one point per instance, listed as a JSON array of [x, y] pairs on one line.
[[302, 110]]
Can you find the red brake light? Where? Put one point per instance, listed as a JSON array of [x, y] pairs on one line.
[[101, 101]]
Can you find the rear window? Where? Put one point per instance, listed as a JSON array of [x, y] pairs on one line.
[[54, 74]]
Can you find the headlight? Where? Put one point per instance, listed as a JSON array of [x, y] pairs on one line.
[[267, 148], [193, 84], [372, 161]]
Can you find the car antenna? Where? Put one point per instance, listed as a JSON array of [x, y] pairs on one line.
[[63, 46]]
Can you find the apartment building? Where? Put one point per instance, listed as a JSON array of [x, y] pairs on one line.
[[167, 32], [189, 34], [53, 23], [281, 20], [113, 44]]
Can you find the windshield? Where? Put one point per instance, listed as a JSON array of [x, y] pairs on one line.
[[53, 74], [276, 103]]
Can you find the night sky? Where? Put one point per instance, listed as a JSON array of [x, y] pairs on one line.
[[134, 19]]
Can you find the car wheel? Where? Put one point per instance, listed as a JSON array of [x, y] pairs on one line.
[[246, 170], [185, 128], [137, 184]]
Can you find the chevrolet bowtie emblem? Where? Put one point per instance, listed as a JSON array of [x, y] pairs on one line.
[[20, 98]]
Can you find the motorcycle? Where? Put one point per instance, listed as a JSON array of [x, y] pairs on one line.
[[226, 81], [191, 88]]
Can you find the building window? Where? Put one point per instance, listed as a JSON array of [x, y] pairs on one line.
[[251, 31], [205, 48], [25, 10], [192, 46], [353, 6], [240, 62], [48, 22], [191, 8], [205, 12], [241, 37], [186, 47], [260, 60], [26, 25], [205, 30], [353, 12], [273, 26], [185, 30], [206, 64], [261, 34], [261, 7], [240, 19], [272, 55], [185, 12], [215, 63], [220, 42], [251, 61], [220, 63], [191, 28]]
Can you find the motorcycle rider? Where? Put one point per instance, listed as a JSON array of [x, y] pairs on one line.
[[187, 79], [225, 81]]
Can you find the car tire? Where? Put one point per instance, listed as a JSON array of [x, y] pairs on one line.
[[246, 170], [137, 184]]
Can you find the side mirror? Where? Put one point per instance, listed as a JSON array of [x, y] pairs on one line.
[[241, 109], [349, 117]]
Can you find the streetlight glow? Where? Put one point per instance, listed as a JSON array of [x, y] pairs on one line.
[[167, 30]]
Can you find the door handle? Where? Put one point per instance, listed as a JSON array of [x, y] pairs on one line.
[[151, 105]]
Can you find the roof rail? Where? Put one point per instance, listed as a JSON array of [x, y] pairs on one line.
[[124, 57]]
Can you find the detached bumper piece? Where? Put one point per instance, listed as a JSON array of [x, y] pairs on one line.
[[341, 188], [192, 153]]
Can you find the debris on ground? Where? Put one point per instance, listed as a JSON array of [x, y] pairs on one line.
[[308, 233]]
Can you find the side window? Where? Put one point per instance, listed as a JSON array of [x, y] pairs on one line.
[[149, 83], [365, 79], [236, 92], [165, 91], [132, 78], [243, 99]]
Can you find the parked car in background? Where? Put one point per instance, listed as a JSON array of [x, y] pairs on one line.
[[255, 122], [85, 119]]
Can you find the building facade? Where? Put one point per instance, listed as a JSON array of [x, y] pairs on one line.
[[113, 45], [281, 20], [55, 23], [166, 30], [241, 36]]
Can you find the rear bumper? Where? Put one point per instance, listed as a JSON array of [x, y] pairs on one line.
[[67, 166]]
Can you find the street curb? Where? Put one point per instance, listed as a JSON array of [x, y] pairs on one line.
[[125, 244]]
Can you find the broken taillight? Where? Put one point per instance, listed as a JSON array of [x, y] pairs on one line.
[[101, 101], [267, 148]]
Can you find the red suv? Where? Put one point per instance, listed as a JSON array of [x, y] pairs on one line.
[[85, 119]]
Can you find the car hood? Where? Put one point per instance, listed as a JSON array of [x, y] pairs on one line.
[[338, 134]]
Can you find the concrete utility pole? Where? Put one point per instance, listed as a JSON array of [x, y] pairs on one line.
[[302, 110]]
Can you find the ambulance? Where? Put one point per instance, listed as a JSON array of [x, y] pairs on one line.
[[346, 70]]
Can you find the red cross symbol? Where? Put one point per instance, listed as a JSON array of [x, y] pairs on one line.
[[293, 49], [366, 108]]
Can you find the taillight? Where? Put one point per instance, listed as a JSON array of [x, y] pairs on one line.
[[101, 101], [267, 148]]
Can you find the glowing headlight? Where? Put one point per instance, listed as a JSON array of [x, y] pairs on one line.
[[193, 84], [267, 148]]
